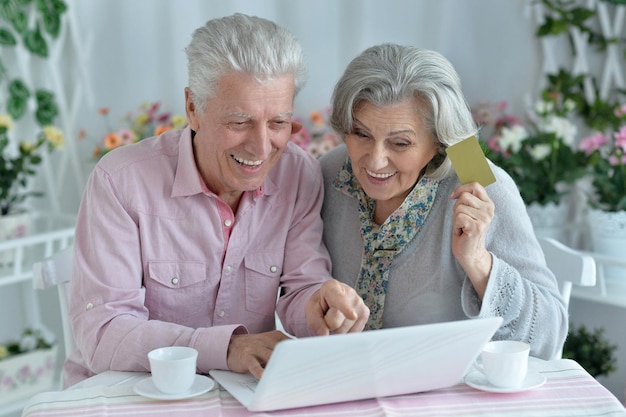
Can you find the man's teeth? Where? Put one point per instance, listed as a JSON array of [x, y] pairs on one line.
[[246, 162], [381, 176]]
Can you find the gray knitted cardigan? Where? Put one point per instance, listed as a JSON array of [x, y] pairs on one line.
[[426, 283]]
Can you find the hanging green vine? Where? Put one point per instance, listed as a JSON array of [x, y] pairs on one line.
[[16, 28], [560, 18]]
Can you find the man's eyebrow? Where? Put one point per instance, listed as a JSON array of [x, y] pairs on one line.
[[248, 116], [242, 115]]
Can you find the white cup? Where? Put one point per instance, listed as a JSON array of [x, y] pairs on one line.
[[173, 368], [505, 363]]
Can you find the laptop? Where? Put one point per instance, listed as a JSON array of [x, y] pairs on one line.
[[323, 370]]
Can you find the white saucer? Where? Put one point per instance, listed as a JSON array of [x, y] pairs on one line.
[[146, 388], [478, 380]]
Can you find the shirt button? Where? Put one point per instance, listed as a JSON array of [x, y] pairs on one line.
[[228, 222], [89, 306], [175, 280], [221, 313], [273, 268], [228, 268]]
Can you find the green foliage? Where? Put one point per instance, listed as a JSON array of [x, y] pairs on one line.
[[16, 169], [28, 24], [15, 32], [605, 158], [537, 152], [591, 349], [566, 14]]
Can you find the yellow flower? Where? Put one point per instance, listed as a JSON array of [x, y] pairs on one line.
[[27, 146], [54, 136], [141, 119], [178, 121], [6, 121], [4, 352]]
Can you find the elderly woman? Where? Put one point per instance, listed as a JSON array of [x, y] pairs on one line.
[[416, 244]]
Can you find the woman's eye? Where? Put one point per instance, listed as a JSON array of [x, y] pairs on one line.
[[401, 144]]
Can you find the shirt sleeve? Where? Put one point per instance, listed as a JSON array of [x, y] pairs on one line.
[[110, 322]]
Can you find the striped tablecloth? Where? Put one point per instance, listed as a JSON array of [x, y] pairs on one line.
[[569, 391]]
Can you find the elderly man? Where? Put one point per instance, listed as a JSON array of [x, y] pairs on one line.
[[187, 238]]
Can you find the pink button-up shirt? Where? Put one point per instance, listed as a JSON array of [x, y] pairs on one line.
[[160, 260]]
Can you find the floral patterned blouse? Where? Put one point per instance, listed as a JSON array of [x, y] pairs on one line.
[[382, 243]]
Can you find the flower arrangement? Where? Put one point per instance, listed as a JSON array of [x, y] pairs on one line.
[[31, 339], [316, 137], [17, 165], [148, 121], [606, 153], [538, 152]]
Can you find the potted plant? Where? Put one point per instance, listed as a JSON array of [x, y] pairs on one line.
[[606, 152], [591, 349], [27, 365], [539, 153]]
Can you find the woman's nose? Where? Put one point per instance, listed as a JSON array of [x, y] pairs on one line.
[[378, 157]]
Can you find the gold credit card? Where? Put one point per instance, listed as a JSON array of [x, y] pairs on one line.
[[470, 162]]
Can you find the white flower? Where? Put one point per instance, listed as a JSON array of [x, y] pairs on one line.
[[561, 127], [544, 107], [539, 152], [569, 104], [511, 138], [28, 343]]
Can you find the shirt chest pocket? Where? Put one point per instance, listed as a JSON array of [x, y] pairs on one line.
[[263, 271], [175, 289]]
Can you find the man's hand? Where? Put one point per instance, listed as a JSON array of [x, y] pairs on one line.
[[336, 308], [250, 352]]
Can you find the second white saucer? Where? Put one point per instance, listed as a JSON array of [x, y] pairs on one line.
[[478, 380], [146, 388]]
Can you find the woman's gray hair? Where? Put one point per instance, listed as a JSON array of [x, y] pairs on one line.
[[387, 74], [246, 44]]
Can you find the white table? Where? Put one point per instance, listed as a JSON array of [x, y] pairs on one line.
[[569, 391]]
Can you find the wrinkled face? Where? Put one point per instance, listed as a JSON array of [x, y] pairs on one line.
[[389, 148], [242, 131]]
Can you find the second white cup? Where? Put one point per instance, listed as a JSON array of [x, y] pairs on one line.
[[505, 363], [173, 368]]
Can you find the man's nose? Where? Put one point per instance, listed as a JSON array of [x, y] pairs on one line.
[[260, 145]]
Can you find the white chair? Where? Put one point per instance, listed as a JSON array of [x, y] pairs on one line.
[[570, 267], [57, 271]]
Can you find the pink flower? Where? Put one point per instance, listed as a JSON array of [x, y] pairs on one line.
[[126, 136], [593, 142], [620, 138], [494, 143], [508, 120], [620, 111], [164, 117]]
